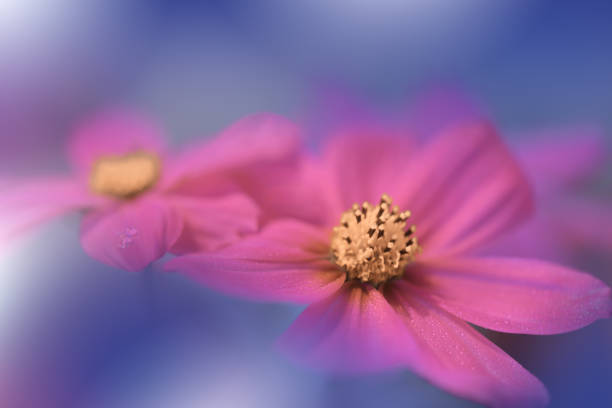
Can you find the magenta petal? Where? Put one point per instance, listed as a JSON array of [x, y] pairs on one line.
[[253, 139], [365, 162], [333, 107], [464, 189], [559, 158], [112, 133], [353, 330], [440, 108], [357, 330], [285, 262], [302, 191], [582, 222], [537, 238], [456, 357], [24, 205], [518, 295], [559, 229], [131, 235], [209, 223]]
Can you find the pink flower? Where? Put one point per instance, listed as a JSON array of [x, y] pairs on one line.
[[141, 201], [382, 295], [559, 164]]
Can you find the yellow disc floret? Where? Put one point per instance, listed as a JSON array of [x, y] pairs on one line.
[[125, 176], [372, 244]]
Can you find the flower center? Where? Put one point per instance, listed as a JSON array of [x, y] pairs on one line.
[[125, 176], [372, 244]]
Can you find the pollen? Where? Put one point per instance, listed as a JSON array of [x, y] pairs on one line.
[[372, 243], [125, 176]]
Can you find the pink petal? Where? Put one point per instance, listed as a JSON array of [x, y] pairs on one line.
[[441, 108], [253, 139], [365, 162], [302, 191], [287, 261], [560, 229], [456, 357], [559, 158], [518, 295], [357, 330], [24, 205], [463, 189], [209, 223], [353, 330], [110, 133], [537, 238], [335, 107], [582, 222], [131, 235]]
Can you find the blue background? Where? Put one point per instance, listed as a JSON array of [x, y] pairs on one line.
[[75, 333]]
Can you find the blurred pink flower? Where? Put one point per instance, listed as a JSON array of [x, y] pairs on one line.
[[560, 163], [383, 296], [140, 201]]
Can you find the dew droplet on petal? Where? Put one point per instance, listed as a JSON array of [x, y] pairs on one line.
[[127, 237]]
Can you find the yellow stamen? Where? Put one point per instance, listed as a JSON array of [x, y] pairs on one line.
[[372, 244], [125, 176]]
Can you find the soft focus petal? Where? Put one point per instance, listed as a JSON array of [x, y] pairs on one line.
[[536, 238], [461, 360], [463, 189], [285, 262], [131, 235], [357, 330], [302, 191], [25, 205], [518, 295], [440, 108], [582, 222], [335, 107], [353, 330], [113, 133], [253, 139], [365, 162], [211, 222], [560, 228], [430, 112], [45, 191], [559, 158]]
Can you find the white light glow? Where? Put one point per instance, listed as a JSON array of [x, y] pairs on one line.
[[20, 18]]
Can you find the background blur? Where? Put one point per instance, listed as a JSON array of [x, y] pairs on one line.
[[75, 333]]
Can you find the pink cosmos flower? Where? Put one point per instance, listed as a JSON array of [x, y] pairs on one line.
[[382, 294], [139, 200], [559, 163]]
